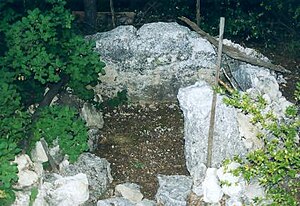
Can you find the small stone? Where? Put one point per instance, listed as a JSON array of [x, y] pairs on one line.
[[129, 191], [254, 190], [27, 178], [212, 192]]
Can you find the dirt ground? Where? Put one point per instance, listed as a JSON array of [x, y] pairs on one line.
[[141, 142]]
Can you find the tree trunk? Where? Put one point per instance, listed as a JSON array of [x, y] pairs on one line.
[[90, 11]]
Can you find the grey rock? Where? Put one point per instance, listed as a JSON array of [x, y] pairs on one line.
[[93, 118], [97, 170], [195, 102], [153, 62], [115, 201], [93, 140], [146, 202], [173, 190]]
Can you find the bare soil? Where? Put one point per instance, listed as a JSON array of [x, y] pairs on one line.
[[142, 141]]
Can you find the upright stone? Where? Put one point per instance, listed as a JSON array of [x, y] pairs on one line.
[[195, 102]]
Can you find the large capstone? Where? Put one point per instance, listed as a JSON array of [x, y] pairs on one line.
[[153, 62]]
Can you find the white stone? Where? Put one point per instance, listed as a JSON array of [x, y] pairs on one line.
[[27, 178], [233, 201], [234, 186], [254, 190], [248, 132], [212, 192], [195, 102], [198, 174], [22, 198], [38, 154], [54, 150], [63, 165], [23, 161], [70, 191], [26, 174], [129, 191], [115, 201]]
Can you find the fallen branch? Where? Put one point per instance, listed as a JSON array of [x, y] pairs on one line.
[[234, 52]]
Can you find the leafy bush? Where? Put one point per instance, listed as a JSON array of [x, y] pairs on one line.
[[277, 164], [62, 124], [12, 123], [40, 50]]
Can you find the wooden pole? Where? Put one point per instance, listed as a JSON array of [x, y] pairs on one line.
[[198, 12], [113, 16], [214, 100], [234, 52]]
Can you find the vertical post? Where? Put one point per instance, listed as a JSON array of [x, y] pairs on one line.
[[198, 12], [112, 10], [214, 100]]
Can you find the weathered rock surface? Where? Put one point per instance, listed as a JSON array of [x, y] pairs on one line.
[[195, 102], [153, 62], [117, 201], [98, 173], [38, 154], [129, 191], [92, 117], [63, 191], [28, 172], [173, 190]]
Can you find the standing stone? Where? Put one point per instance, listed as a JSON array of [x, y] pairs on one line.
[[195, 102]]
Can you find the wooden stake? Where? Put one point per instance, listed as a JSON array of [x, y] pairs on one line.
[[198, 18], [113, 16], [214, 100]]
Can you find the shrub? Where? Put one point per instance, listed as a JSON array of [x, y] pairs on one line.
[[63, 124], [277, 164]]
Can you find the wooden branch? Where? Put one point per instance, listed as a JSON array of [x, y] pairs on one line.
[[234, 52], [52, 162]]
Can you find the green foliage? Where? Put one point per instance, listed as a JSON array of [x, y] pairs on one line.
[[116, 101], [62, 124], [44, 48], [40, 49], [33, 195], [277, 164], [13, 122]]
